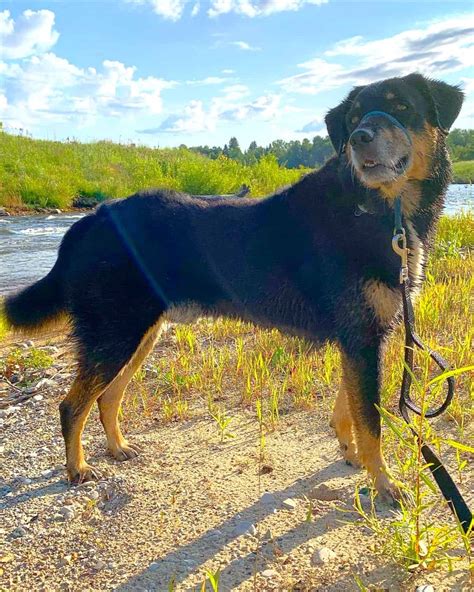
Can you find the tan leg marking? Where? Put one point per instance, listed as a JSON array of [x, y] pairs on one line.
[[111, 398], [342, 422], [79, 400], [369, 450]]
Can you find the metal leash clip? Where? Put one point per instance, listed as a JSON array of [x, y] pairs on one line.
[[399, 245]]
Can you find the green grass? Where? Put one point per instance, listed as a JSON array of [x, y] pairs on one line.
[[463, 171], [42, 173]]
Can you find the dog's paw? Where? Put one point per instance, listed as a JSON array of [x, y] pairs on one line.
[[349, 454], [83, 473], [125, 451], [389, 493]]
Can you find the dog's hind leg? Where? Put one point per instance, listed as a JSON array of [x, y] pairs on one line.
[[109, 354], [74, 411], [341, 421], [111, 398]]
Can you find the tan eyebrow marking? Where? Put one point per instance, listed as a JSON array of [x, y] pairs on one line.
[[390, 95]]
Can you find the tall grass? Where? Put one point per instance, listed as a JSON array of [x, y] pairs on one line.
[[51, 174], [463, 171]]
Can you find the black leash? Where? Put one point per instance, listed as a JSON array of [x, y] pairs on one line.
[[443, 479]]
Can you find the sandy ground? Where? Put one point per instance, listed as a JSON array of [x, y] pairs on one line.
[[188, 504]]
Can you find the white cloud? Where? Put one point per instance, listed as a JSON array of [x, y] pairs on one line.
[[32, 33], [169, 9], [440, 47], [196, 118], [174, 9], [254, 8], [235, 92], [243, 45], [315, 126], [49, 88], [209, 80]]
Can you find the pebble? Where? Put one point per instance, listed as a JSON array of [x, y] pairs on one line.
[[67, 513], [93, 495], [269, 499], [66, 560], [38, 397], [289, 503], [269, 573], [424, 588], [245, 527], [99, 564], [18, 532], [45, 383], [322, 555], [324, 493], [154, 566]]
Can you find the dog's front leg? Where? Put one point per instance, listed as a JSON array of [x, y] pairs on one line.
[[362, 380]]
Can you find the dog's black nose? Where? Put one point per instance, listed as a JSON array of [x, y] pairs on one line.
[[361, 136]]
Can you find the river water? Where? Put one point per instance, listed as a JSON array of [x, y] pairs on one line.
[[28, 244]]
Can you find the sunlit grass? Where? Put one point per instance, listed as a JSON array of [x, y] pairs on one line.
[[52, 174]]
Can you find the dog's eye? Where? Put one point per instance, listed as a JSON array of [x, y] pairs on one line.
[[355, 119], [402, 107]]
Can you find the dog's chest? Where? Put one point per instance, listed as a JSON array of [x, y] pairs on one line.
[[384, 300]]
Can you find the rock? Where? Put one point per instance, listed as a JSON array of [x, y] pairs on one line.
[[99, 564], [424, 588], [3, 212], [322, 555], [269, 573], [289, 503], [45, 383], [155, 566], [67, 513], [324, 493], [66, 560], [245, 527], [93, 495], [269, 499], [38, 397], [18, 532]]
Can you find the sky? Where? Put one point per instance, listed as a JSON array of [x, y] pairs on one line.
[[170, 72]]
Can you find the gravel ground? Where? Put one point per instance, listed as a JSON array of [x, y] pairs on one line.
[[188, 504]]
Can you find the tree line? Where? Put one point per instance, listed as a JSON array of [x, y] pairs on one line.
[[313, 153]]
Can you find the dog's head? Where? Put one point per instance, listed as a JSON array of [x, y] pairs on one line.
[[389, 129]]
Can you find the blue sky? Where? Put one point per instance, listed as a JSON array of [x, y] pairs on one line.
[[166, 72]]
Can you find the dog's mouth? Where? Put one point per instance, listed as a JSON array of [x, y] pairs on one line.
[[398, 168]]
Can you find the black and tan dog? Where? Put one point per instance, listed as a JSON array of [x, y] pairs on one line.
[[314, 260]]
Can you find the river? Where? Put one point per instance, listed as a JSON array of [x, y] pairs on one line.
[[28, 244]]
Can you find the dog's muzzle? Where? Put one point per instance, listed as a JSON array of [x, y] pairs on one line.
[[364, 135]]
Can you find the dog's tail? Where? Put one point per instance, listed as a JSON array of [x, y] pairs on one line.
[[37, 307]]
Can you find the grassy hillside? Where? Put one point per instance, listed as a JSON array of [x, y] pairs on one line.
[[463, 171], [51, 174]]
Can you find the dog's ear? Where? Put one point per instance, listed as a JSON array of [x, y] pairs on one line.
[[448, 101], [445, 99], [336, 121]]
